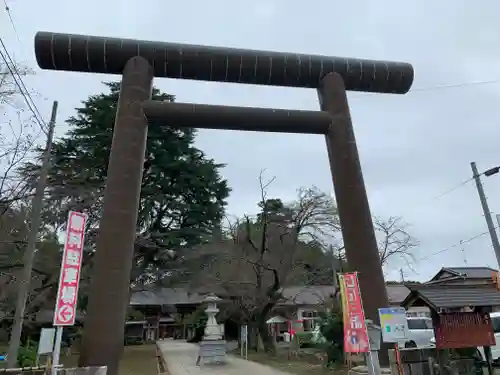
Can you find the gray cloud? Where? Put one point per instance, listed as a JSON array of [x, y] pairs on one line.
[[412, 147]]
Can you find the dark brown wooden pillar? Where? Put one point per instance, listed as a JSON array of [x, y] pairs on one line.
[[352, 201], [109, 290]]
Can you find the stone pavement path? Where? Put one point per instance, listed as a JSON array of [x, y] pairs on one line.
[[181, 360]]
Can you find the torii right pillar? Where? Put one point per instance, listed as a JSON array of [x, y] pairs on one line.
[[352, 202]]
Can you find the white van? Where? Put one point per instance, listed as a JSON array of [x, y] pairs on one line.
[[495, 350], [420, 332]]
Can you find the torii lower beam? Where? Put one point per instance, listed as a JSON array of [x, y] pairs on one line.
[[205, 116]]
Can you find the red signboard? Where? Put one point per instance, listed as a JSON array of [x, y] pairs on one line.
[[463, 330], [355, 333], [69, 278]]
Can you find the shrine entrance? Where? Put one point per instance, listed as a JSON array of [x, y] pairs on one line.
[[138, 62]]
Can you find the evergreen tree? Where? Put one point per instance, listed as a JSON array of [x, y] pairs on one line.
[[183, 194]]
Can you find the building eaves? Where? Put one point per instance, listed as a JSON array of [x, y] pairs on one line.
[[454, 296]]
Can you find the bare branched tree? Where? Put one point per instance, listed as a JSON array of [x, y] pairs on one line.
[[316, 215], [9, 89], [258, 256], [18, 136], [394, 240], [17, 142]]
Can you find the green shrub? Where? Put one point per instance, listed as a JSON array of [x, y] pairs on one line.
[[305, 339], [332, 329], [26, 356], [198, 320]]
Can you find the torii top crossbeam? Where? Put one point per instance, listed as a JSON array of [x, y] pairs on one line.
[[84, 53]]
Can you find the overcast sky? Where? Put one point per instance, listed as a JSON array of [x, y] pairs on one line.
[[412, 147]]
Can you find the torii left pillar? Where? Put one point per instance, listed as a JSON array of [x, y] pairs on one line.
[[118, 225]]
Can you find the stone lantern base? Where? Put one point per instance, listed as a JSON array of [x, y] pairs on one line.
[[212, 352]]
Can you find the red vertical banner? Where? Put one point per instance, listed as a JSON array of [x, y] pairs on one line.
[[355, 332], [69, 278]]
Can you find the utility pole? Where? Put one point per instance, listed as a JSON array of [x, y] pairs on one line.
[[29, 254], [402, 275], [498, 222], [487, 213]]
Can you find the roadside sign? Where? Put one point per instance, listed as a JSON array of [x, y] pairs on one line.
[[394, 324], [244, 341], [69, 278], [244, 333], [46, 343]]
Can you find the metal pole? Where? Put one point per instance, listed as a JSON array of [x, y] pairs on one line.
[[57, 349], [486, 211], [498, 220], [29, 254]]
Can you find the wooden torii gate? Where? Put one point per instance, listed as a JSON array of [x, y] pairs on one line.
[[138, 62]]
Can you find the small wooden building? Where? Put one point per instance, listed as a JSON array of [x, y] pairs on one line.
[[460, 312], [164, 310]]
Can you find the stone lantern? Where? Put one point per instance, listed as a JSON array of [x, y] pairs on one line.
[[212, 346], [212, 328]]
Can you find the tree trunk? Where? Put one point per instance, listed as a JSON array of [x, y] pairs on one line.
[[267, 339], [253, 337]]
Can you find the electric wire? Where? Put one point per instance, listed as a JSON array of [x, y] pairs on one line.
[[454, 246], [11, 19], [439, 87], [455, 85], [451, 190], [16, 76]]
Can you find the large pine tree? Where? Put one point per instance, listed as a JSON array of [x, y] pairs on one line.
[[183, 194]]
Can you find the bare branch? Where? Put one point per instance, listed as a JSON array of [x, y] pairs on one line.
[[394, 240]]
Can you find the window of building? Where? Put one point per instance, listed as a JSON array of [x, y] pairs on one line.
[[309, 325], [495, 322], [416, 324], [309, 314]]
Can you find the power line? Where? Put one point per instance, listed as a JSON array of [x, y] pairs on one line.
[[430, 200], [11, 66], [9, 14], [463, 183], [452, 189], [442, 87], [453, 247], [456, 85]]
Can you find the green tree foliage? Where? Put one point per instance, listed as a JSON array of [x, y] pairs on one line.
[[198, 321], [183, 195]]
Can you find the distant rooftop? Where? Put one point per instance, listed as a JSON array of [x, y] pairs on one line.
[[295, 295], [466, 272], [165, 296], [397, 293], [307, 295], [442, 296]]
